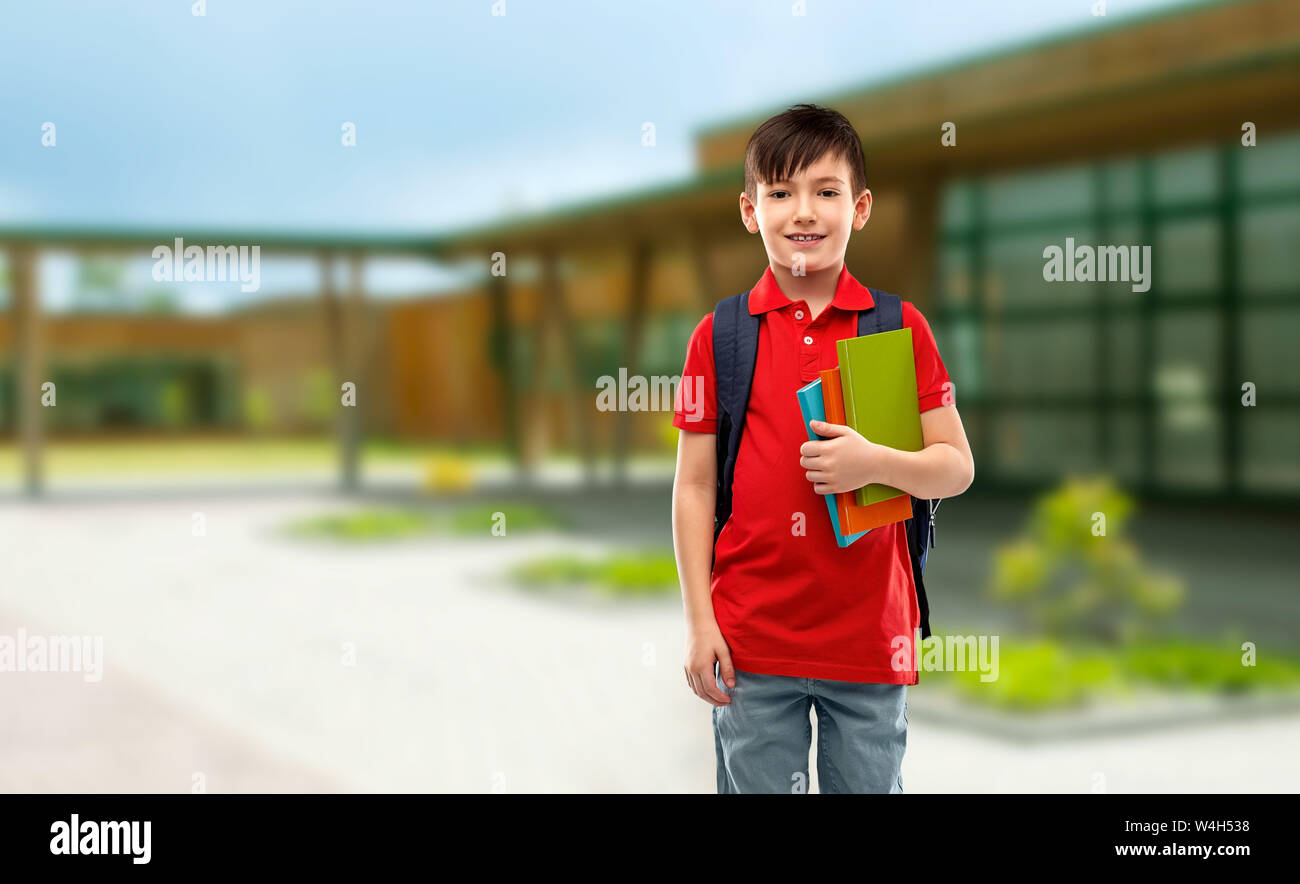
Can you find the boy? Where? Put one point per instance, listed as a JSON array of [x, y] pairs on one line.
[[784, 620]]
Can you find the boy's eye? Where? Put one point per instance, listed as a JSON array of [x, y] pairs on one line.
[[778, 193]]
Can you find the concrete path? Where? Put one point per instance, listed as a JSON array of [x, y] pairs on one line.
[[276, 665]]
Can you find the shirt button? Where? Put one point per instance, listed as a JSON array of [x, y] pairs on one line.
[[798, 314], [807, 340]]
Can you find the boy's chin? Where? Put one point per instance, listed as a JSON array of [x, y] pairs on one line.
[[810, 266]]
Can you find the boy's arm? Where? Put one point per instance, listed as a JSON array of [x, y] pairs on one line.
[[944, 467], [694, 496]]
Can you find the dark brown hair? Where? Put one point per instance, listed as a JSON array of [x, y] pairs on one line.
[[795, 139]]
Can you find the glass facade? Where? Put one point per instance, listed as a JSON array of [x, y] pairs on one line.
[[130, 392], [1143, 383]]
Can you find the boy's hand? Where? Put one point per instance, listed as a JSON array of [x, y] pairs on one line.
[[704, 645], [844, 462]]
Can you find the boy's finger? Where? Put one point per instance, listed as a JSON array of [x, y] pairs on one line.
[[695, 685], [711, 692], [727, 671], [822, 428]]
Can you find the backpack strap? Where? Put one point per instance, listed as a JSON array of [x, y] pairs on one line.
[[885, 314], [735, 348]]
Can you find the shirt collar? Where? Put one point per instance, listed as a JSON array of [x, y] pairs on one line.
[[849, 294]]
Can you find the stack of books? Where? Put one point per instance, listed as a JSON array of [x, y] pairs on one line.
[[872, 391]]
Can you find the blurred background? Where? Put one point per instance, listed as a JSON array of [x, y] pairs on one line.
[[359, 524]]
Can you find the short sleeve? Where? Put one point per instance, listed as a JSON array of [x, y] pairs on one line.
[[933, 386], [695, 405]]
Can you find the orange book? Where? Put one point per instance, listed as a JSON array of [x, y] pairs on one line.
[[855, 518]]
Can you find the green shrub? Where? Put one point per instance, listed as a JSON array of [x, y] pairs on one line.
[[1073, 573]]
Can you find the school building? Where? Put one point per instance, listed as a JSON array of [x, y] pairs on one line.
[[1177, 133]]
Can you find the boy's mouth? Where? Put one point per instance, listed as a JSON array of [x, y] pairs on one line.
[[805, 238]]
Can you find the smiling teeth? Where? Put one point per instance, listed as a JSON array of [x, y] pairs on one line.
[[805, 238]]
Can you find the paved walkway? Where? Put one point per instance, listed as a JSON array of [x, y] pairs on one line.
[[228, 654]]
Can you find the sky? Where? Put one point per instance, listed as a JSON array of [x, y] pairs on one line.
[[233, 119]]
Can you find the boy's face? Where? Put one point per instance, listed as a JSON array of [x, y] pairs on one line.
[[815, 202]]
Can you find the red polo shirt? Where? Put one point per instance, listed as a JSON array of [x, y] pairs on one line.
[[799, 605]]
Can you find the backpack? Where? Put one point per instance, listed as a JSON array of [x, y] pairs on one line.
[[735, 348]]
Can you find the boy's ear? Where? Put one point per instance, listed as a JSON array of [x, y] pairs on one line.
[[862, 210], [748, 213]]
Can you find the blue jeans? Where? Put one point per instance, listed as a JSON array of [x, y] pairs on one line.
[[763, 736]]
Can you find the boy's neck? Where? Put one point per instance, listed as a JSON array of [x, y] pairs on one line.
[[816, 288]]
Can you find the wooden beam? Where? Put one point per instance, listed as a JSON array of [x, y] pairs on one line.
[[533, 441], [639, 268], [706, 292], [580, 395], [354, 337], [337, 348], [30, 351], [920, 234], [501, 352]]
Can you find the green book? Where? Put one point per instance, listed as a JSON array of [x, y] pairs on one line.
[[878, 373]]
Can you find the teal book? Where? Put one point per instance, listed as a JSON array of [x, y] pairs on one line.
[[813, 408]]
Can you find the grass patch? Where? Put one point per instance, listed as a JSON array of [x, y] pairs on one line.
[[470, 520], [1186, 664], [367, 525], [1045, 674], [1036, 676], [635, 573], [237, 454], [395, 523]]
